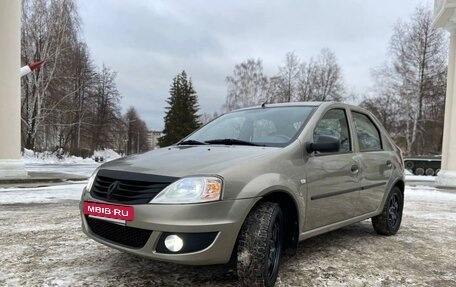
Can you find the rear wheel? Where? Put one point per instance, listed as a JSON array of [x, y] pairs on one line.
[[389, 221], [260, 246]]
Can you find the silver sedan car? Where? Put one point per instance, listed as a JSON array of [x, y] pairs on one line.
[[248, 186]]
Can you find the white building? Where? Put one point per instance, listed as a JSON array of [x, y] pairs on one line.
[[152, 139]]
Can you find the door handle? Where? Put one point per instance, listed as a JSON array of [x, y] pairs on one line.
[[389, 163], [354, 169]]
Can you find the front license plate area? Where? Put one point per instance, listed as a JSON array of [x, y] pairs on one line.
[[109, 211]]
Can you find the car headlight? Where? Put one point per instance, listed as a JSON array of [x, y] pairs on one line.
[[191, 190], [91, 180]]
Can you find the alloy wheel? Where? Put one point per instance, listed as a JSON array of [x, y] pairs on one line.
[[393, 211], [275, 245]]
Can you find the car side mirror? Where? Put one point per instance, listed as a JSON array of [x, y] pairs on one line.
[[324, 144]]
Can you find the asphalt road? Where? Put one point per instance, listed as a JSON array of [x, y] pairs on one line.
[[41, 244]]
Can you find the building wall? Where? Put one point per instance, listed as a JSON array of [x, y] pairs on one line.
[[152, 139]]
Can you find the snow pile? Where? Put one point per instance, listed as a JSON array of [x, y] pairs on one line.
[[28, 153], [48, 162], [47, 157], [107, 154], [29, 156]]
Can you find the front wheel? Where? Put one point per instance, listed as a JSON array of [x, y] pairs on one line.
[[389, 221], [260, 245]]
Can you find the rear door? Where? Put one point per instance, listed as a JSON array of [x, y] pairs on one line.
[[332, 178], [375, 162]]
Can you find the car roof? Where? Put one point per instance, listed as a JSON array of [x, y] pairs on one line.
[[297, 104], [291, 104]]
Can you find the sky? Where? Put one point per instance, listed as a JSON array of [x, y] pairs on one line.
[[149, 42]]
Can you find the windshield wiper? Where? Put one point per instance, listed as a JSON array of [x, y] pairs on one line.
[[191, 142], [231, 142]]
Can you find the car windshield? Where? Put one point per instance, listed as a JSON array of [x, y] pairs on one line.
[[269, 126]]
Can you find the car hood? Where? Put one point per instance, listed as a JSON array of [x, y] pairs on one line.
[[179, 161]]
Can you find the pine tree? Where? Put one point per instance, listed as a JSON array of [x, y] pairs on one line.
[[181, 117]]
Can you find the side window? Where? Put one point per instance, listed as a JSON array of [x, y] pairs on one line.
[[334, 123], [368, 134]]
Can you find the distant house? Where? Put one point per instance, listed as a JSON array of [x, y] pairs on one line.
[[152, 139]]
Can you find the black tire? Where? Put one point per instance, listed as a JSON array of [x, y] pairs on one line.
[[419, 171], [429, 171], [389, 221], [260, 246], [409, 165]]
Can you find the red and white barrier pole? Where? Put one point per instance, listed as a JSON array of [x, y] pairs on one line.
[[30, 67]]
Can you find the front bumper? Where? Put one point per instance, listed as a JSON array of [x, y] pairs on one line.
[[224, 218]]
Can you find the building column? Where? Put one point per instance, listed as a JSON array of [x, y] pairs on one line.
[[447, 175], [11, 165]]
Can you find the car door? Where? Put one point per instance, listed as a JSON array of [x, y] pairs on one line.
[[332, 178], [375, 162]]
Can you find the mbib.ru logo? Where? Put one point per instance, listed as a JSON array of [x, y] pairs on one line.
[[108, 210]]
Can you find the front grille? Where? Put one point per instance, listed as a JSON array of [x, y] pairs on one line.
[[125, 235], [128, 187]]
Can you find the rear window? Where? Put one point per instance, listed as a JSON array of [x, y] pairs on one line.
[[368, 134]]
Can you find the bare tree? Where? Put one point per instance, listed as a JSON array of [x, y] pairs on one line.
[[84, 77], [318, 80], [67, 103], [414, 79], [137, 132], [289, 76], [207, 117], [275, 90], [321, 79], [49, 28], [247, 86], [105, 109]]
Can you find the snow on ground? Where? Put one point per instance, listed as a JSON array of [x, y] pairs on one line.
[[419, 178], [411, 177], [42, 244], [429, 193], [49, 194]]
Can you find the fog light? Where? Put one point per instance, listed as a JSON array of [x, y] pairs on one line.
[[174, 243]]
